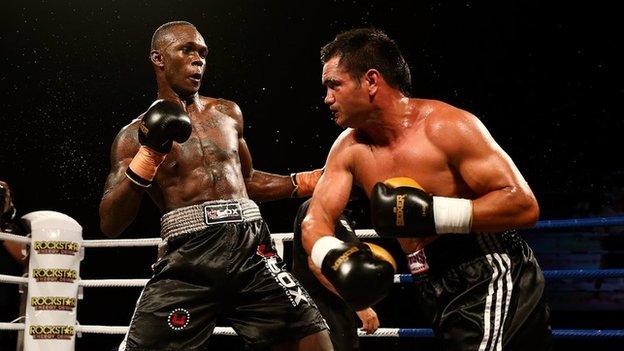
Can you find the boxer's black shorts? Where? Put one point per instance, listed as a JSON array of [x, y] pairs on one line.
[[484, 292], [228, 270]]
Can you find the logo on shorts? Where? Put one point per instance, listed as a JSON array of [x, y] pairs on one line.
[[223, 213], [265, 250], [418, 262], [178, 319], [292, 289]]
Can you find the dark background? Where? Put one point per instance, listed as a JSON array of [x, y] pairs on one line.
[[544, 77]]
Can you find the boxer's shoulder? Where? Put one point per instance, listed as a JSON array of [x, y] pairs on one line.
[[444, 120], [344, 147], [126, 142], [129, 131], [345, 141], [456, 132], [348, 137], [226, 107], [223, 107]]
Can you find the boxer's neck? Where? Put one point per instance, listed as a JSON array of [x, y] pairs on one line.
[[166, 93], [390, 120]]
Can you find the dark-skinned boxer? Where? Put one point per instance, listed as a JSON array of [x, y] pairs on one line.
[[187, 152]]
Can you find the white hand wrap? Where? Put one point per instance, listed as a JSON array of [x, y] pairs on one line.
[[321, 247], [452, 215]]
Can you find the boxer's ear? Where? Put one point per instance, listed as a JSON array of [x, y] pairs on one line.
[[372, 77], [157, 58]]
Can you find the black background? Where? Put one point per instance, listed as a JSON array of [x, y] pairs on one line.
[[544, 77]]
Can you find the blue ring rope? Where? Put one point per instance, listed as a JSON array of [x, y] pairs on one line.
[[549, 274], [557, 333], [584, 273], [581, 222], [553, 274]]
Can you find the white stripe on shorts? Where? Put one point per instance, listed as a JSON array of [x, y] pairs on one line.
[[498, 298]]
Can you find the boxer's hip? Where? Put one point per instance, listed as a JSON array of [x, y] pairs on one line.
[[206, 215], [451, 251]]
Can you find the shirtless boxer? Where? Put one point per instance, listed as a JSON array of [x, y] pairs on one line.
[[188, 153], [478, 281]]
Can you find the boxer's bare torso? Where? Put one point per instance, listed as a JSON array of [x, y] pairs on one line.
[[411, 155], [206, 167], [446, 150], [213, 164]]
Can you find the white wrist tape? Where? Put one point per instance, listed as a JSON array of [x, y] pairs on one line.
[[452, 215], [321, 247]]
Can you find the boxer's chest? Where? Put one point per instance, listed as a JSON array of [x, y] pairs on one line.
[[213, 140], [415, 158]]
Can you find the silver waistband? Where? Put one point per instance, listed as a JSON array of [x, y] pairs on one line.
[[194, 218]]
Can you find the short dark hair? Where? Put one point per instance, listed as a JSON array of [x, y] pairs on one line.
[[364, 48], [160, 32]]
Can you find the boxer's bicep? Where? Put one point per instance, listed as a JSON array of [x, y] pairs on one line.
[[485, 166], [121, 199], [330, 197], [503, 199], [471, 150], [124, 147]]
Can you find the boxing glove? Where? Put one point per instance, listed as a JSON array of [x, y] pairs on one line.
[[163, 123], [305, 182], [362, 273], [401, 208]]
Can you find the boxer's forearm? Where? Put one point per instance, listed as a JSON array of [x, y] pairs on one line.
[[119, 207], [312, 229], [503, 209], [262, 186], [320, 277]]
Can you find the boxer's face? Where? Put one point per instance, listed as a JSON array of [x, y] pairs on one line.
[[184, 59], [347, 99]]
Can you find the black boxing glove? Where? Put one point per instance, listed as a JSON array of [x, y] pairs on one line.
[[163, 123], [362, 273], [401, 208]]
